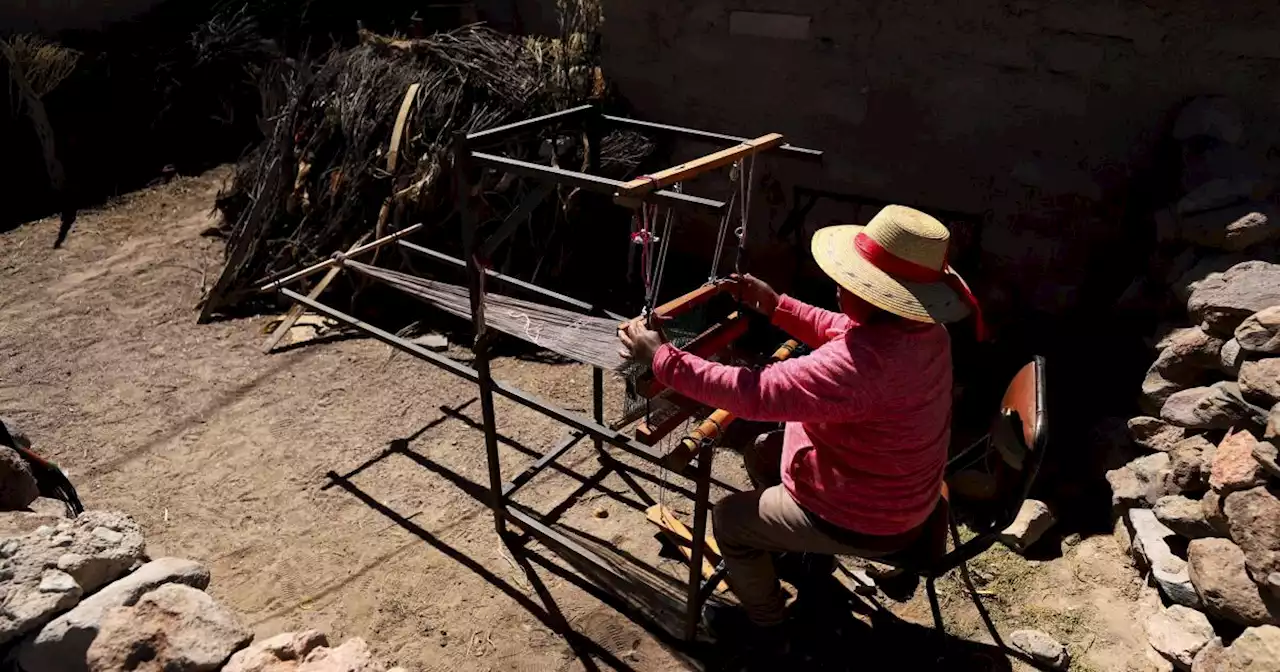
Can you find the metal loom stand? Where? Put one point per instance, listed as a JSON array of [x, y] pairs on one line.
[[466, 161]]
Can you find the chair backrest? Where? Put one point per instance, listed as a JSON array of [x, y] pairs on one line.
[[1019, 435]]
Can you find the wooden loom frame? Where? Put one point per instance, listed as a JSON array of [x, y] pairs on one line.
[[466, 161]]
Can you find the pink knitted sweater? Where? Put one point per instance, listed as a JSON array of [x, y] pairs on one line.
[[867, 413]]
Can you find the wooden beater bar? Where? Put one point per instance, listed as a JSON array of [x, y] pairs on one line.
[[708, 343], [663, 178], [714, 426]]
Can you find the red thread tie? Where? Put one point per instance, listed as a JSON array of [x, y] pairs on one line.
[[903, 269]]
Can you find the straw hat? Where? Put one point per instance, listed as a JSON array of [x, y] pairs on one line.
[[897, 262]]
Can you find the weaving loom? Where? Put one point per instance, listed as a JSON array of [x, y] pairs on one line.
[[707, 320]]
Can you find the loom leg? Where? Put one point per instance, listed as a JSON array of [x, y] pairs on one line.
[[597, 403], [701, 505]]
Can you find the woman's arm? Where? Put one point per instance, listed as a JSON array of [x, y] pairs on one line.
[[813, 326], [813, 388]]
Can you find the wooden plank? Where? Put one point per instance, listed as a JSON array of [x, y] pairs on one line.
[[683, 539], [297, 309], [663, 178], [675, 417]]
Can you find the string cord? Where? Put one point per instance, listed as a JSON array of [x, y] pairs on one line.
[[745, 187]]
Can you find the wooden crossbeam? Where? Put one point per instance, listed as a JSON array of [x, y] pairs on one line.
[[689, 169], [682, 538], [715, 424], [682, 409]]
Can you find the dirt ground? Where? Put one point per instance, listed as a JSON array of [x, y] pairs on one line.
[[336, 486]]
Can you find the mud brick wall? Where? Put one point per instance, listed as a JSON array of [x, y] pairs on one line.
[[57, 15], [1036, 113]]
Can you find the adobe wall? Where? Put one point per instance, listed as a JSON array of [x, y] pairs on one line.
[[1030, 111]]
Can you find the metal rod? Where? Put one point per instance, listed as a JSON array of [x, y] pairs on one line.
[[571, 419], [790, 150], [597, 401], [475, 285], [700, 506], [329, 263], [531, 201], [530, 124], [595, 183], [514, 282], [561, 543], [543, 462]]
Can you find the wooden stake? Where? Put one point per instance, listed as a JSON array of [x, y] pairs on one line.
[[683, 539], [330, 263], [297, 309], [663, 178]]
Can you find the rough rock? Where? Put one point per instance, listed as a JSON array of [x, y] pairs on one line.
[[352, 656], [1217, 569], [1213, 117], [173, 628], [1189, 464], [1231, 357], [1255, 650], [1219, 194], [1187, 350], [1184, 516], [1033, 520], [1260, 380], [1233, 467], [1268, 456], [1223, 302], [1273, 584], [1155, 434], [1232, 228], [1202, 270], [1178, 634], [1140, 482], [32, 599], [1156, 390], [1211, 504], [89, 551], [61, 646], [1150, 550], [1272, 430], [282, 653], [1253, 516], [1041, 647], [1219, 406], [434, 342], [1260, 332], [17, 485], [1210, 658]]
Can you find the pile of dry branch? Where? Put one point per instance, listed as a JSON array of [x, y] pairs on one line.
[[335, 170]]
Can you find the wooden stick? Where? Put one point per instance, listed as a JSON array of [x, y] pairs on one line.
[[663, 178], [715, 424], [651, 434], [677, 532], [330, 263], [298, 309], [706, 344]]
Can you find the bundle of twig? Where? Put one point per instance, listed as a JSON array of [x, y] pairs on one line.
[[324, 178]]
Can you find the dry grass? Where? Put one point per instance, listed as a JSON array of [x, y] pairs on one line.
[[42, 63]]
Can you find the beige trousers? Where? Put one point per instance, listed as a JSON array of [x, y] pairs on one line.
[[751, 525]]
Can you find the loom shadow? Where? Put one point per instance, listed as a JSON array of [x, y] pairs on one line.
[[831, 635]]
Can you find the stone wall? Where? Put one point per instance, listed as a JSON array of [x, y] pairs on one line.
[[1030, 111], [51, 16]]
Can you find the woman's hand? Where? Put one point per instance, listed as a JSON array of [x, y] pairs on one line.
[[757, 294], [639, 342]]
